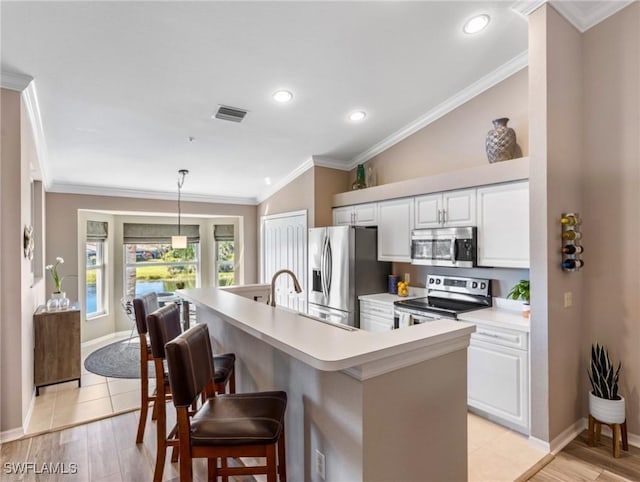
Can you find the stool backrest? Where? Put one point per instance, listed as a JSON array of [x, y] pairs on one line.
[[164, 326], [143, 306], [190, 362]]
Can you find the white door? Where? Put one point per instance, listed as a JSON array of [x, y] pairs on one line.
[[284, 246]]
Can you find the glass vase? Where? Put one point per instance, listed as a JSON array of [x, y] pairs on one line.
[[58, 301]]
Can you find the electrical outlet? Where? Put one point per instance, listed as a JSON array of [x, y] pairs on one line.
[[407, 278], [568, 299], [320, 467]]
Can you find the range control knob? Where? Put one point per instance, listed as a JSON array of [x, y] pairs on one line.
[[483, 286], [474, 284], [438, 281], [431, 280]]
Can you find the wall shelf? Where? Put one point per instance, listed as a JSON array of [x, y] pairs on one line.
[[506, 171]]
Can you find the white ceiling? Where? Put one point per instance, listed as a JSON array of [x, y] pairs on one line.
[[121, 86]]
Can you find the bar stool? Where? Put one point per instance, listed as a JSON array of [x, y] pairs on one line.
[[164, 326], [241, 425], [142, 306]]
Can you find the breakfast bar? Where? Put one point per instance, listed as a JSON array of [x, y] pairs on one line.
[[378, 406]]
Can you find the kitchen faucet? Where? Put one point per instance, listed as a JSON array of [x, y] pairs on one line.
[[272, 297]]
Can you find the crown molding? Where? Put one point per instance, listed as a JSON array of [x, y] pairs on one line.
[[274, 188], [30, 99], [13, 81], [527, 7], [93, 190], [598, 11], [322, 161], [498, 75]]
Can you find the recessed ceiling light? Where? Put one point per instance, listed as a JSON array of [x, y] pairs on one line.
[[477, 23], [357, 115], [282, 96]]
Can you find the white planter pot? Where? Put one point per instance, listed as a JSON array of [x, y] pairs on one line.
[[607, 411]]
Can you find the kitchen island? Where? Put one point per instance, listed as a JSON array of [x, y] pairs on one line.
[[380, 406]]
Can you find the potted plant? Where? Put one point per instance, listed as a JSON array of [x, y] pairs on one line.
[[521, 292], [605, 404]]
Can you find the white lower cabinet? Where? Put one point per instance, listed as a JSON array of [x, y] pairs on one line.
[[375, 316], [395, 222], [498, 376], [503, 225]]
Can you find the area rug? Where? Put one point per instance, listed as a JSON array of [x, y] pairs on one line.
[[118, 360]]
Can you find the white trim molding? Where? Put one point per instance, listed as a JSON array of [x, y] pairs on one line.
[[30, 98], [584, 15], [498, 75], [527, 7], [9, 435], [14, 81], [567, 435], [298, 171]]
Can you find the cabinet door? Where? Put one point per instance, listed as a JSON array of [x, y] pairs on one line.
[[428, 210], [343, 216], [503, 225], [459, 207], [395, 222], [366, 214], [498, 382]]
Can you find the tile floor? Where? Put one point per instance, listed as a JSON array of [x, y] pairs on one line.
[[495, 453], [65, 404]]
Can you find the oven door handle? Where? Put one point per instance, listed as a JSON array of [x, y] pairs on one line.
[[453, 252]]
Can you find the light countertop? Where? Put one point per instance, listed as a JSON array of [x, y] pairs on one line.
[[389, 298], [327, 347], [503, 314]]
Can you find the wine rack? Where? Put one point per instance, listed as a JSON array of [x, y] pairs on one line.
[[571, 242]]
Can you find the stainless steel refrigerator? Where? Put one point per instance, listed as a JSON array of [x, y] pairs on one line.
[[343, 264]]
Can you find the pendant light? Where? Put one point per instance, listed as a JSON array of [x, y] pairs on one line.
[[179, 241]]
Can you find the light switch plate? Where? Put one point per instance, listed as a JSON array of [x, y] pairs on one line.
[[568, 299]]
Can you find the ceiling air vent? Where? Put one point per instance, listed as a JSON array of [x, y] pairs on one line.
[[230, 113]]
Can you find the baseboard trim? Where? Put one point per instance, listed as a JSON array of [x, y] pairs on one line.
[[10, 435], [104, 338], [539, 444], [27, 418], [567, 435]]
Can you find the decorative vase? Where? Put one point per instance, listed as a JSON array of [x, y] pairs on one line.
[[607, 411], [501, 141], [360, 182], [58, 301]]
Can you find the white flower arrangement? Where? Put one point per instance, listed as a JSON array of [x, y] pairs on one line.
[[53, 269]]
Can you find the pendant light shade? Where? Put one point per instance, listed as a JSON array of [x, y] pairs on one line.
[[179, 241]]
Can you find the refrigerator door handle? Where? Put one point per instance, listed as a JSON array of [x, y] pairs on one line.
[[323, 267], [329, 266]]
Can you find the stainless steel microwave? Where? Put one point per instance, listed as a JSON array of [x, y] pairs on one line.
[[453, 247]]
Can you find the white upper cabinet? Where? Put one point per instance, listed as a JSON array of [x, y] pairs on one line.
[[450, 208], [358, 215], [503, 225], [395, 222]]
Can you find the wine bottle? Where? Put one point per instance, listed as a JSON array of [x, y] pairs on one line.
[[570, 220], [572, 264], [572, 249], [571, 235]]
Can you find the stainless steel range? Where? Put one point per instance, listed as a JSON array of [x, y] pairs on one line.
[[447, 296]]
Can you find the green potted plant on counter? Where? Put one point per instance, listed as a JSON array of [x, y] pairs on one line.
[[605, 404], [521, 292]]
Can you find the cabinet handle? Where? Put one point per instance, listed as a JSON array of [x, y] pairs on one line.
[[439, 216], [444, 216], [514, 339]]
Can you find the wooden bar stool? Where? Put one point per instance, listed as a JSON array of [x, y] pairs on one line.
[[142, 307], [240, 425], [164, 326], [618, 431]]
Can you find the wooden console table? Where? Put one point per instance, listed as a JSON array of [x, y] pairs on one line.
[[57, 347]]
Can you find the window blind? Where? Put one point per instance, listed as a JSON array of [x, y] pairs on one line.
[[223, 232], [138, 233], [97, 230]]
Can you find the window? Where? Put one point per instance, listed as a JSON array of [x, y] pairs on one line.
[[152, 265], [157, 267], [95, 268], [224, 255]]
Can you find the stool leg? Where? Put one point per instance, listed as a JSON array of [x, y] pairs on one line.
[[590, 440], [212, 469], [144, 405], [282, 457], [625, 440], [272, 463], [616, 440], [232, 381], [161, 425]]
